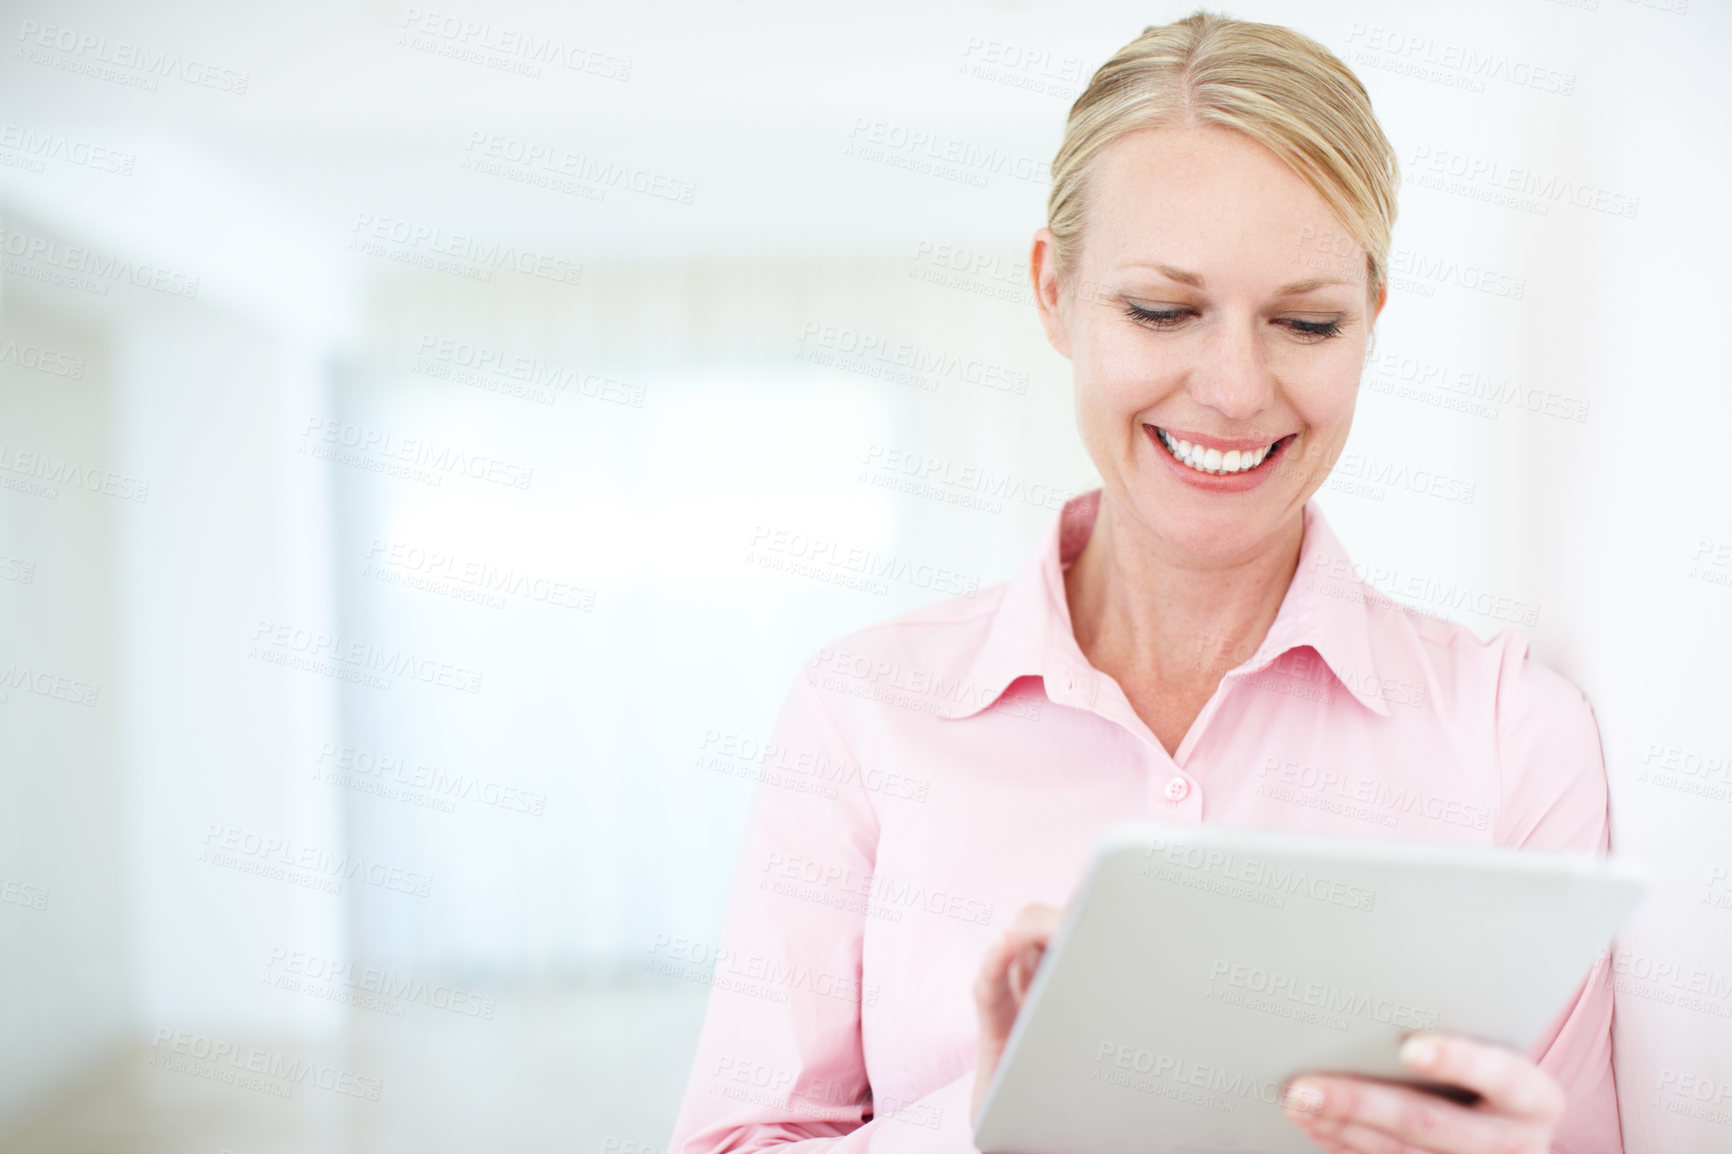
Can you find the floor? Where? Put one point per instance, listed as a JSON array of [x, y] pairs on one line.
[[596, 1071]]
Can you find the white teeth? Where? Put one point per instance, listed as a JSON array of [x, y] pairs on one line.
[[1213, 460]]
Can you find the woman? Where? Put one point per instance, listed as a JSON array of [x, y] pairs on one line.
[[1187, 645]]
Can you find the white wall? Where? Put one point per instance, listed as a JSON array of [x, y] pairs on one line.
[[64, 946], [215, 740]]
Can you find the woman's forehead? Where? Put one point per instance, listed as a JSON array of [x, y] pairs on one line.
[[1201, 199], [1201, 178]]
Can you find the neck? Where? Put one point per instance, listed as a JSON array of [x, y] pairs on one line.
[[1150, 615]]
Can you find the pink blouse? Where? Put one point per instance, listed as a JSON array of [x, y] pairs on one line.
[[930, 775]]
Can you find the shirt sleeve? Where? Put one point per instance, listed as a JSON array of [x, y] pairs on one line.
[[1554, 798], [780, 1061]]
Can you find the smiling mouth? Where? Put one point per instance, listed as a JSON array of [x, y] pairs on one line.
[[1214, 461]]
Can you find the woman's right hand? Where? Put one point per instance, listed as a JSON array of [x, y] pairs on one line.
[[1004, 979]]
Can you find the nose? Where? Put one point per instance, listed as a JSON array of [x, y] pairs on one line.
[[1234, 377]]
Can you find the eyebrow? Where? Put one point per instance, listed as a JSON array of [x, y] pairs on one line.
[[1195, 280]]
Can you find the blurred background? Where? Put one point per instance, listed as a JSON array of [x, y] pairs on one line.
[[427, 436]]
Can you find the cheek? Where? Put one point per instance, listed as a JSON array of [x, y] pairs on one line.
[[1322, 390], [1118, 375]]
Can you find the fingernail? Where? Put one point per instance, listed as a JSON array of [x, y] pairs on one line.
[[1419, 1051], [1305, 1097]]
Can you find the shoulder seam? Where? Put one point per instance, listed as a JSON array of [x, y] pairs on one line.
[[853, 754]]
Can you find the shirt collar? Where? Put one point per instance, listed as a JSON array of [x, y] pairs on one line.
[[1031, 636]]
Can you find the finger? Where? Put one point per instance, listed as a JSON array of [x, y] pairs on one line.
[[993, 998], [1026, 939], [1510, 1083], [1327, 1143], [1351, 1138], [1406, 1117], [998, 992], [1037, 920], [1022, 971]]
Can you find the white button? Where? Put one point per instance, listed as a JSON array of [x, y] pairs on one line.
[[1070, 681], [1178, 789]]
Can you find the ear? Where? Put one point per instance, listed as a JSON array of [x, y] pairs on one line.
[[1376, 311], [1048, 292]]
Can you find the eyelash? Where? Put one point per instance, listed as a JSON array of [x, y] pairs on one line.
[[1310, 330]]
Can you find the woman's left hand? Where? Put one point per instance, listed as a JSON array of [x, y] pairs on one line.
[[1518, 1110]]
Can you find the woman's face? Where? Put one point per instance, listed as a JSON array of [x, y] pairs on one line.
[[1217, 318]]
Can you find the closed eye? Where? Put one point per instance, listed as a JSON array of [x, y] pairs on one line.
[[1156, 318], [1311, 331], [1319, 330]]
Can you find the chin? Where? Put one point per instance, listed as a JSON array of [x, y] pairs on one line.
[[1217, 534]]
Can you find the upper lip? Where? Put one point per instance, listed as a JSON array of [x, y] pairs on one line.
[[1208, 442]]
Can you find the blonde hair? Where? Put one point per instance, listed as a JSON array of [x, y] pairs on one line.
[[1277, 86]]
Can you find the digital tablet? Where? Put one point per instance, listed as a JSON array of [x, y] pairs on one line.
[[1198, 970]]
